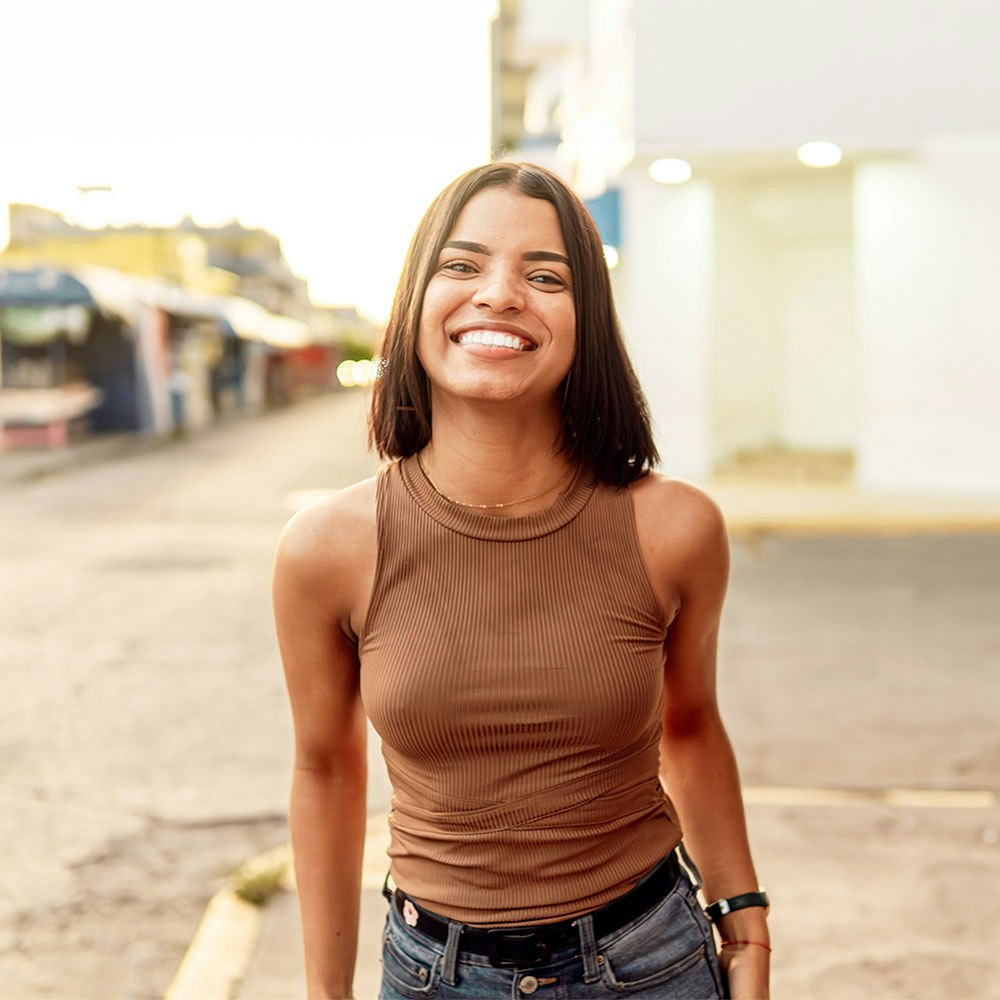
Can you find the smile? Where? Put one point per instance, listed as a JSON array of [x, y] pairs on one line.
[[494, 338]]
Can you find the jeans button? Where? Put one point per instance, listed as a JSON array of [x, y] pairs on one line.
[[528, 985]]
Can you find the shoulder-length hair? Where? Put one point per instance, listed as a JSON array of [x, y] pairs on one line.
[[606, 424]]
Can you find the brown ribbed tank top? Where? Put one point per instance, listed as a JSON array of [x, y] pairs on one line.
[[513, 667]]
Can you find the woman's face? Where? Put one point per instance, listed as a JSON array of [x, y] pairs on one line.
[[498, 321]]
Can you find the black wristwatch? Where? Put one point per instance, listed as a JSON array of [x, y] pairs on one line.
[[717, 910]]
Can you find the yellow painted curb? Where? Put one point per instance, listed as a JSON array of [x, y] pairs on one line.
[[816, 525], [904, 798], [217, 957], [220, 951]]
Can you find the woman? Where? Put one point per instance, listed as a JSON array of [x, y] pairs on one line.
[[528, 615]]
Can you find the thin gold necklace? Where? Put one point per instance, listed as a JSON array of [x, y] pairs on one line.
[[484, 506]]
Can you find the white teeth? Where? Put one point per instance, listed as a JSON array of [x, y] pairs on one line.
[[492, 338]]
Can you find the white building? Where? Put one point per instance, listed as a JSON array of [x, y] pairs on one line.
[[768, 303]]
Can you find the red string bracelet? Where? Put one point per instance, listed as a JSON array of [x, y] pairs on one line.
[[760, 944]]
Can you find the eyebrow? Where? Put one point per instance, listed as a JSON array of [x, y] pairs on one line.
[[527, 255]]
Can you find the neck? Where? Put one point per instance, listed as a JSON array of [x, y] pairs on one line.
[[490, 455]]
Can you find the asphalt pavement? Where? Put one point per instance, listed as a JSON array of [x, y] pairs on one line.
[[859, 682], [871, 769]]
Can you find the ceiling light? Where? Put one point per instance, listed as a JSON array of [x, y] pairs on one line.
[[820, 154], [670, 171]]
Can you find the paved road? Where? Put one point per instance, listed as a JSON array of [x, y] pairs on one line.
[[860, 683], [145, 739], [144, 735]]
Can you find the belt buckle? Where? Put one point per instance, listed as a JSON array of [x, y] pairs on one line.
[[530, 948]]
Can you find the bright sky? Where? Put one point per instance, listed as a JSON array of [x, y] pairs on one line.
[[332, 123]]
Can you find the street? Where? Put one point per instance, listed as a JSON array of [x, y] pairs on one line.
[[146, 741]]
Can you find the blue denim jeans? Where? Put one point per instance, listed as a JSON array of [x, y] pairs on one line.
[[668, 951]]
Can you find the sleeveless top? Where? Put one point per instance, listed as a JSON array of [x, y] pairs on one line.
[[513, 667]]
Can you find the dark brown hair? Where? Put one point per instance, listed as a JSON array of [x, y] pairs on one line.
[[606, 422]]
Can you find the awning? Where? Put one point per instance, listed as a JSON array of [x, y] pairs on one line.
[[253, 322], [40, 304], [42, 286], [91, 287]]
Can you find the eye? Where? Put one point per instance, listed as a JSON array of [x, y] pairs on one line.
[[458, 267], [547, 278]]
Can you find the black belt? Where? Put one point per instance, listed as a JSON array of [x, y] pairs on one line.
[[520, 946]]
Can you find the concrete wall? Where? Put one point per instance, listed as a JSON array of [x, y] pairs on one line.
[[745, 350], [601, 138], [844, 309], [737, 299], [928, 257], [819, 378], [781, 358], [720, 74], [663, 289]]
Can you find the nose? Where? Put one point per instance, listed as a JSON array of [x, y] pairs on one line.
[[499, 291]]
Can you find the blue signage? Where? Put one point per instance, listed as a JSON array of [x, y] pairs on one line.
[[606, 212]]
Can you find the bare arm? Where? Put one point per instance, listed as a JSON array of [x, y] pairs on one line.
[[689, 560], [315, 588]]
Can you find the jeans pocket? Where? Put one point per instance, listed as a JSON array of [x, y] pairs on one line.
[[663, 954], [409, 969], [686, 978]]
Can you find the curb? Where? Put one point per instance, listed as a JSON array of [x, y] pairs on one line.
[[752, 508], [867, 524], [217, 958], [219, 954]]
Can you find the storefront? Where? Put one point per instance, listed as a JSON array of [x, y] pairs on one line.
[[99, 350], [49, 384]]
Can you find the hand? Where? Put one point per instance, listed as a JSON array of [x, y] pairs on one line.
[[747, 970]]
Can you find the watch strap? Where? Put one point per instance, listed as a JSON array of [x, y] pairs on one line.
[[717, 910]]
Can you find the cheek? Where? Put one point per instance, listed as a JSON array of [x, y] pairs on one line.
[[429, 324], [440, 298], [424, 343], [567, 327]]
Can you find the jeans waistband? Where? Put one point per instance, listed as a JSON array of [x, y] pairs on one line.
[[532, 945]]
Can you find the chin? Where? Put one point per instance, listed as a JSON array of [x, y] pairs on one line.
[[489, 394], [486, 390]]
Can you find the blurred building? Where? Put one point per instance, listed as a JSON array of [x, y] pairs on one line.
[[357, 334], [224, 260], [770, 304], [152, 330]]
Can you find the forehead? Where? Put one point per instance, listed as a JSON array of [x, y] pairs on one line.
[[501, 216]]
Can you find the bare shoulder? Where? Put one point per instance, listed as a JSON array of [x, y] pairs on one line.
[[676, 506], [322, 574], [332, 538], [681, 529]]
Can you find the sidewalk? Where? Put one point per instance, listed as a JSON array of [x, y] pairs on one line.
[[759, 506]]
